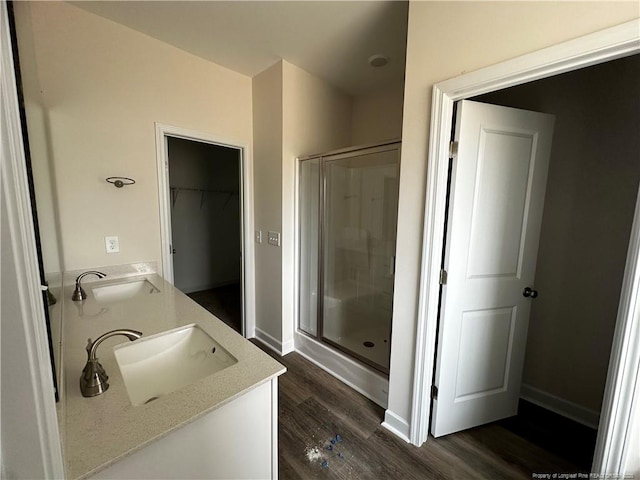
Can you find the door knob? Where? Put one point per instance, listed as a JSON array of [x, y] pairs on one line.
[[529, 292], [173, 251]]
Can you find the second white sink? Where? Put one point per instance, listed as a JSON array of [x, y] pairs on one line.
[[118, 292], [168, 361]]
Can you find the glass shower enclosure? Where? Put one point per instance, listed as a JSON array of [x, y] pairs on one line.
[[348, 206]]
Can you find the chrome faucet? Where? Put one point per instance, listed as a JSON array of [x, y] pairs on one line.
[[79, 293], [93, 380]]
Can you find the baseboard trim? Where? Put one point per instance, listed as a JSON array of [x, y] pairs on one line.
[[578, 413], [397, 425], [363, 380], [288, 347], [268, 341]]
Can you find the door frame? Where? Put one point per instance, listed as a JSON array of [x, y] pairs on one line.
[[247, 259], [606, 45]]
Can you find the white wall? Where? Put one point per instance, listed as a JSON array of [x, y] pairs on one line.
[[436, 51], [591, 192], [267, 168], [377, 116], [205, 224], [102, 87]]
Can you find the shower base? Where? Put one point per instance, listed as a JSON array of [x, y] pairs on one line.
[[370, 343]]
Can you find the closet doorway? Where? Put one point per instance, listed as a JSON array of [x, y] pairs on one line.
[[204, 224]]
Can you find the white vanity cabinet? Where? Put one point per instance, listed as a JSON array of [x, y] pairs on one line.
[[235, 441], [222, 425]]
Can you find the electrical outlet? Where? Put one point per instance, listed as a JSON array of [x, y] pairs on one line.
[[112, 244], [274, 239], [258, 236]]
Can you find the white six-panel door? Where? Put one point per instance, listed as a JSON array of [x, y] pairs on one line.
[[497, 197]]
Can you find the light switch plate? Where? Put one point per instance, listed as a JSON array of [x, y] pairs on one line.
[[112, 244], [274, 239]]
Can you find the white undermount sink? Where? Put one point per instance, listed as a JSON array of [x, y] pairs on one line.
[[118, 292], [168, 361]]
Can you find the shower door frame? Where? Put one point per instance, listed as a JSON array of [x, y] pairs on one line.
[[322, 191]]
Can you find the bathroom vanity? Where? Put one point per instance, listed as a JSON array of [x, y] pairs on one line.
[[155, 421]]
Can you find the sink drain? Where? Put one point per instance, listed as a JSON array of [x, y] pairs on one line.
[[368, 344]]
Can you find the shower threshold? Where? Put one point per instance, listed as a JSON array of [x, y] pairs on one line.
[[363, 378]]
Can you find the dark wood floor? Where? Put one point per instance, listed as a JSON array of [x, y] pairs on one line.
[[555, 433], [224, 302], [314, 407]]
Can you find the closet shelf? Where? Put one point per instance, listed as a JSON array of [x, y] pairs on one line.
[[175, 191]]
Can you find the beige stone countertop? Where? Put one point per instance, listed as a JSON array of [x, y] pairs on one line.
[[99, 431]]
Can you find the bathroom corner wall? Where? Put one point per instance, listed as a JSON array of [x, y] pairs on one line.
[[102, 87], [294, 114], [267, 171], [377, 116], [316, 118]]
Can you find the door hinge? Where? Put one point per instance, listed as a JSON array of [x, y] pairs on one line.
[[443, 277], [453, 149], [434, 392]]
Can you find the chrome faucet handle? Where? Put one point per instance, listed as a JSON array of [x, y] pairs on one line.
[[93, 380], [79, 293]]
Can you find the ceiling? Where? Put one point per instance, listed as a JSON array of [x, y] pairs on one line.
[[331, 39]]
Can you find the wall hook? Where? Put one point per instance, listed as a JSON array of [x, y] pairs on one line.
[[120, 182]]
